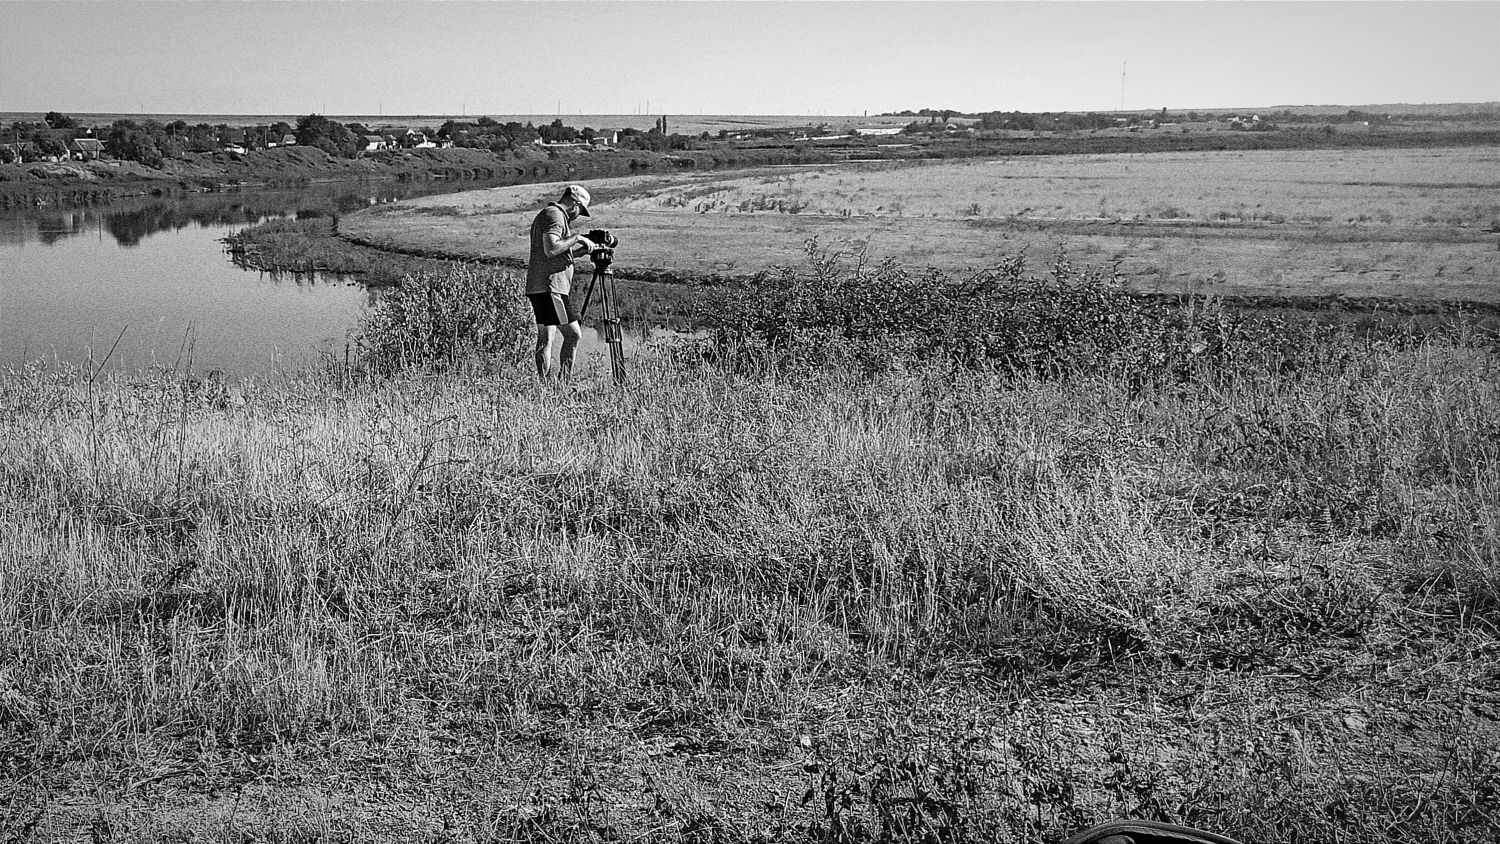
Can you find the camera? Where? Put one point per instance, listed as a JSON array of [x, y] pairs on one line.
[[604, 246]]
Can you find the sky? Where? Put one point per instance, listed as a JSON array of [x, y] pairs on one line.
[[729, 57]]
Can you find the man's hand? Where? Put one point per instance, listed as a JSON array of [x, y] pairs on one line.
[[588, 245]]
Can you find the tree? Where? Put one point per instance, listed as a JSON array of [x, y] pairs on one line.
[[454, 128], [57, 120], [556, 133], [131, 143], [330, 136]]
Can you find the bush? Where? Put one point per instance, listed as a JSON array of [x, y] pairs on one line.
[[437, 317], [879, 316]]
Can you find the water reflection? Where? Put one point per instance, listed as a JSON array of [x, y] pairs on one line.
[[133, 220], [153, 271]]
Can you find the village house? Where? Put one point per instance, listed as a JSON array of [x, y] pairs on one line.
[[376, 143], [86, 149], [288, 140], [607, 138], [560, 144], [416, 139]]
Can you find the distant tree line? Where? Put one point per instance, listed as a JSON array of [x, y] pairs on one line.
[[149, 142], [152, 143], [488, 133]]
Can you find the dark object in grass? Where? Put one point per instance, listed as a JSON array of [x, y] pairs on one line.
[[1145, 832]]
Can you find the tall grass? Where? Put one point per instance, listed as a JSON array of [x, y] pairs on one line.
[[915, 602], [443, 315], [840, 309]]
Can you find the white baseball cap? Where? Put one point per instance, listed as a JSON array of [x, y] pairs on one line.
[[580, 195]]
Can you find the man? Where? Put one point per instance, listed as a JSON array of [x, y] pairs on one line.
[[549, 278]]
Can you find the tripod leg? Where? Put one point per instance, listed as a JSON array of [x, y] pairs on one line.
[[612, 330], [583, 311]]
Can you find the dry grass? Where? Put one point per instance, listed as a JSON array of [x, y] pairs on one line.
[[923, 606], [1391, 223]]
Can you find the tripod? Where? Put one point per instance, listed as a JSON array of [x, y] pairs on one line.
[[604, 279]]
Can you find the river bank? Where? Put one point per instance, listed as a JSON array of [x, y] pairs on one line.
[[315, 245], [96, 182]]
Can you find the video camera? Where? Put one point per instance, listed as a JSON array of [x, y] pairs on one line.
[[604, 246]]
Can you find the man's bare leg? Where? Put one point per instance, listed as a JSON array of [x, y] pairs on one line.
[[543, 350], [571, 334]]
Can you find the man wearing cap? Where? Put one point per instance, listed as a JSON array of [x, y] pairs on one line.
[[549, 277]]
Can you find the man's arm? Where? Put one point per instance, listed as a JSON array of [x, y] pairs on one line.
[[554, 244]]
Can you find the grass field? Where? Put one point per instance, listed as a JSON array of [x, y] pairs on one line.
[[829, 575], [786, 599], [1415, 224]]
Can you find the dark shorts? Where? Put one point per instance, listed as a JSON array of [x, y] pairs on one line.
[[552, 308]]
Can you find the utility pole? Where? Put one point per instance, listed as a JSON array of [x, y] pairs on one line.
[[1122, 86]]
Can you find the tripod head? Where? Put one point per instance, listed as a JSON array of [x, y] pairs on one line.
[[604, 248]]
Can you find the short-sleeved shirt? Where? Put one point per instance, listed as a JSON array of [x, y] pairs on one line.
[[543, 274]]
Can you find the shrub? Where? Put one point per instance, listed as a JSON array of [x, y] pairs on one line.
[[1067, 319], [436, 317]]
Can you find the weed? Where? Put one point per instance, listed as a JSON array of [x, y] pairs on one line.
[[438, 316], [1068, 319]]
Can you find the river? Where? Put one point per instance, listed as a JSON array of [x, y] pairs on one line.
[[147, 283]]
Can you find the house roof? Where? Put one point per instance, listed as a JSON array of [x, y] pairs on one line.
[[89, 144]]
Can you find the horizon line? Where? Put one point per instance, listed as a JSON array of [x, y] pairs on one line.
[[822, 114]]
